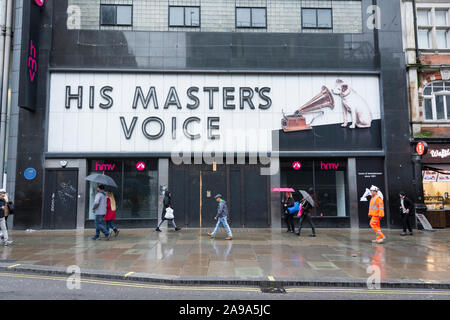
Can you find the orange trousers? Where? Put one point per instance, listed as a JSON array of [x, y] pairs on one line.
[[375, 224]]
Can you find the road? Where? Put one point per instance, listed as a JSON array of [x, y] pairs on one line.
[[16, 286]]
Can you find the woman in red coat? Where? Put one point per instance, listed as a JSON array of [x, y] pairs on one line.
[[111, 213]]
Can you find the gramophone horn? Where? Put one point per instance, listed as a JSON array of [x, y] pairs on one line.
[[321, 100]]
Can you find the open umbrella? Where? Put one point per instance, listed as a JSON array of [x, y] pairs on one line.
[[101, 179], [283, 190], [307, 197]]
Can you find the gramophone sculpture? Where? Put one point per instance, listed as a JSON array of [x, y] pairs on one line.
[[297, 122]]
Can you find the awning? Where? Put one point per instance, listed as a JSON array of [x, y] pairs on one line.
[[438, 167]]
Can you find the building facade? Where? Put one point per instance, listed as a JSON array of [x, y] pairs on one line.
[[426, 27], [206, 97]]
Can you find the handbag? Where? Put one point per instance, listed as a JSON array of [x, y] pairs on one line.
[[300, 211], [169, 214], [295, 208], [11, 207]]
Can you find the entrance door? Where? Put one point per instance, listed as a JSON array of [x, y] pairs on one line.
[[60, 203], [212, 183]]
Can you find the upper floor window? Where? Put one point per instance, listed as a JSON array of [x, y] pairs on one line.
[[317, 18], [116, 15], [184, 16], [251, 17], [436, 101], [433, 28]]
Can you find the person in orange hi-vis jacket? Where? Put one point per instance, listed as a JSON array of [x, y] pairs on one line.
[[376, 212]]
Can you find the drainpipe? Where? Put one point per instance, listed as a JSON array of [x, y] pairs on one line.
[[2, 39], [416, 39], [5, 85]]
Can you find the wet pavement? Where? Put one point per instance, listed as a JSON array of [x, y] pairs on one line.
[[253, 253]]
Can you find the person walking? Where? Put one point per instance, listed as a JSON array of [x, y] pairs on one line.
[[221, 217], [289, 202], [376, 212], [306, 216], [406, 211], [111, 213], [3, 207], [99, 210], [167, 203]]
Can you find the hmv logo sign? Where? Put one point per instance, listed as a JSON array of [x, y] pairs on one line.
[[104, 167], [329, 166]]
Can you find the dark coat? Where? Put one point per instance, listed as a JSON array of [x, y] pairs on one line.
[[2, 211], [306, 207], [408, 205]]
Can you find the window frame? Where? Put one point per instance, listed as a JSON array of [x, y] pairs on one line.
[[317, 19], [251, 18], [433, 27], [184, 17], [432, 97], [115, 15]]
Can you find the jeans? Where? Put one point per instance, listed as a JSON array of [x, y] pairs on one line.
[[224, 223], [3, 229], [109, 225], [99, 226]]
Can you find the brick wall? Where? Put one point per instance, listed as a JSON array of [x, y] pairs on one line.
[[219, 15]]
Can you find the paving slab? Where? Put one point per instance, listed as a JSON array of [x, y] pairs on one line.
[[336, 257]]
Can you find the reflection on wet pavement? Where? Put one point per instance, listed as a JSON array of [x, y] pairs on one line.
[[334, 253]]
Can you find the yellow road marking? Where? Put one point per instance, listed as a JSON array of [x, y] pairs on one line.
[[365, 291], [14, 265], [134, 285], [128, 274], [271, 278]]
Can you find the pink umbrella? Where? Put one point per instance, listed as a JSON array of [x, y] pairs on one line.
[[283, 190]]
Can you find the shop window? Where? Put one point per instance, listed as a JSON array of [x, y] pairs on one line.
[[316, 18], [116, 15], [251, 17], [184, 16], [436, 101], [137, 193], [325, 178]]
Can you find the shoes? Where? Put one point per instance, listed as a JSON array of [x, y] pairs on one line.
[[297, 233], [410, 233], [211, 235], [7, 243], [288, 230], [403, 234], [108, 236], [312, 235], [116, 232], [292, 231], [379, 240], [229, 238], [95, 238], [177, 229], [158, 229]]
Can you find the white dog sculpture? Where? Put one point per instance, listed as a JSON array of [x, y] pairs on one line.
[[354, 103]]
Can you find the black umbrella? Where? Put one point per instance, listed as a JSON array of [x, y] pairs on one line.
[[101, 179]]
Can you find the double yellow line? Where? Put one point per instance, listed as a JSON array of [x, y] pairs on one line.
[[367, 291], [132, 285]]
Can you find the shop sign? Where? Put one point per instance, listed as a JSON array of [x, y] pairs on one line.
[[140, 166], [437, 153], [203, 112], [430, 176], [329, 166], [104, 167], [444, 177], [296, 165], [421, 148]]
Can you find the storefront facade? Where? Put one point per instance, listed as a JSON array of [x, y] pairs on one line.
[[206, 120]]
